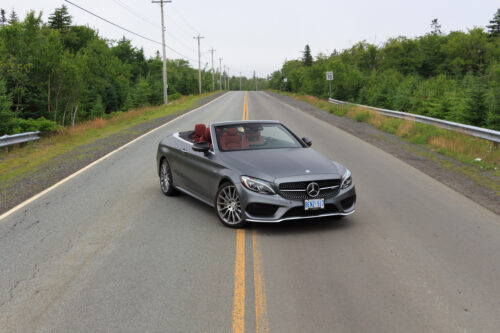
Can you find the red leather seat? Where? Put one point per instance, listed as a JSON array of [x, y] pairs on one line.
[[199, 132], [230, 139], [251, 138], [206, 136]]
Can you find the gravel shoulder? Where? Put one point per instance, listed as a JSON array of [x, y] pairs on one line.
[[440, 167], [22, 187]]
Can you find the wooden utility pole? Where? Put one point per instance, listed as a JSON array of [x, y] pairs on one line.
[[220, 73], [240, 81], [213, 74], [199, 62], [165, 82]]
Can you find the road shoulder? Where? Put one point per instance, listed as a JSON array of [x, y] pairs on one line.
[[22, 187], [442, 168]]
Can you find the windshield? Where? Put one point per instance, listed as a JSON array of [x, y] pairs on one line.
[[254, 136]]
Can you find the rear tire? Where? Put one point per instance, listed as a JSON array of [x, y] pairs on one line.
[[228, 206], [166, 182]]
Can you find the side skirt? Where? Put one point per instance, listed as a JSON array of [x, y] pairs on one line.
[[211, 204]]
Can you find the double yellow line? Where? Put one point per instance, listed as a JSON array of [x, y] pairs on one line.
[[245, 107], [261, 323]]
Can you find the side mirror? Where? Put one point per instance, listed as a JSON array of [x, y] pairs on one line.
[[307, 141], [201, 147]]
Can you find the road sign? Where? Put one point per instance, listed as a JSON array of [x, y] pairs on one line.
[[285, 80], [329, 76]]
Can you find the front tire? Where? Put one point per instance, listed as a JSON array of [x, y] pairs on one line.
[[166, 183], [228, 206]]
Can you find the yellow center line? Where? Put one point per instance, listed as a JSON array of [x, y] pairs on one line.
[[261, 323], [239, 284]]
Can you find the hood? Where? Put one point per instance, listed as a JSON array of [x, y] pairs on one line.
[[271, 164]]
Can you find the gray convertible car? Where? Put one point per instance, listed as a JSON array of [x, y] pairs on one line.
[[254, 171]]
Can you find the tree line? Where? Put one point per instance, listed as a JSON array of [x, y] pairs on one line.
[[57, 73], [454, 76]]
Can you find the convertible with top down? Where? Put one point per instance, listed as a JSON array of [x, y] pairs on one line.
[[254, 171]]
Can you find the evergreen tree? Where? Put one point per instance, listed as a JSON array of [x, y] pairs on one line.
[[5, 111], [98, 108], [3, 19], [13, 17], [436, 27], [129, 101], [494, 27], [307, 59], [60, 19]]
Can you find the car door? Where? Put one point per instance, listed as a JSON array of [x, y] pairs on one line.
[[202, 174], [177, 159]]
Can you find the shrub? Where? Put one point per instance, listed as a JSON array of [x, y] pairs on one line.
[[362, 116], [175, 96]]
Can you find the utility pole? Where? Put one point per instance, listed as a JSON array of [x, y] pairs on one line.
[[255, 80], [199, 62], [240, 81], [220, 73], [165, 82], [228, 81], [225, 75], [213, 74]]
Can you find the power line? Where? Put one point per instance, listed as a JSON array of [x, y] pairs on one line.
[[185, 21], [130, 10], [116, 25], [127, 30]]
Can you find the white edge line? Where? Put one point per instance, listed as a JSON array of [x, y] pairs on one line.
[[36, 196]]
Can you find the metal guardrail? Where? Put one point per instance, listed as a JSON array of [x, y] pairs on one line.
[[8, 140], [479, 132]]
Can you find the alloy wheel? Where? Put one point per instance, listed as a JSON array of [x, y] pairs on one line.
[[228, 206]]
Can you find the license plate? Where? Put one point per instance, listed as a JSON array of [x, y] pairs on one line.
[[311, 204]]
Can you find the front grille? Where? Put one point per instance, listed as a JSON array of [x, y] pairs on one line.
[[297, 190], [300, 212]]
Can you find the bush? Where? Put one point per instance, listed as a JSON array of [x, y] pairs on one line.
[[362, 116], [18, 125], [175, 96]]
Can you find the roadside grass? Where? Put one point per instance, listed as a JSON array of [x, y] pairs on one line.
[[476, 153], [24, 160]]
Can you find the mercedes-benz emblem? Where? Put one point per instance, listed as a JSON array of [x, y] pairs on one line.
[[312, 189]]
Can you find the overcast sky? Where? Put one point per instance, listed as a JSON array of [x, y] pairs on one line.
[[259, 35]]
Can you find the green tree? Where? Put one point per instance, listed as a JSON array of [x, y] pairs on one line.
[[98, 109], [13, 17], [3, 18], [436, 27], [307, 58], [5, 108], [494, 27], [60, 19]]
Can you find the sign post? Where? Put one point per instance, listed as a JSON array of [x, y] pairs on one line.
[[329, 78], [285, 81]]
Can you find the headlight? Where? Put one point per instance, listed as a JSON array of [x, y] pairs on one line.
[[257, 185], [346, 180]]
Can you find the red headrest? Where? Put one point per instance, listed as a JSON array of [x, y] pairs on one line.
[[207, 136], [199, 129], [232, 131]]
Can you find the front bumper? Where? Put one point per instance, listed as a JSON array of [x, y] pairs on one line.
[[293, 209]]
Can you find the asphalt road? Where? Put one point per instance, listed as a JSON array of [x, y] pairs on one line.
[[106, 251]]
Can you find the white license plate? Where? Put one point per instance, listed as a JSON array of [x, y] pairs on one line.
[[314, 204]]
